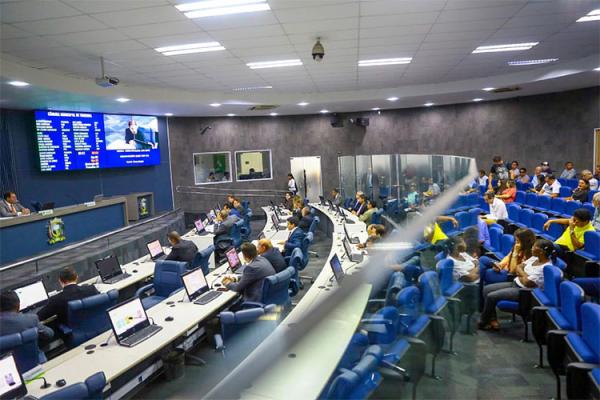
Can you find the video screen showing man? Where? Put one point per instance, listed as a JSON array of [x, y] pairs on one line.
[[130, 132]]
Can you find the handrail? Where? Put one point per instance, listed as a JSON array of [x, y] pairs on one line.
[[195, 189], [87, 241]]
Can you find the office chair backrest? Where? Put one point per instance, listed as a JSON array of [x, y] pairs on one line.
[[590, 326], [521, 196], [376, 217], [571, 298], [552, 278], [544, 202], [245, 204], [474, 215], [556, 230], [91, 389], [87, 317], [235, 233], [408, 303], [314, 224], [306, 242], [495, 238], [463, 219], [513, 211], [359, 382], [296, 259], [571, 206], [24, 346], [431, 296], [538, 221], [233, 322], [202, 259], [525, 215], [531, 199], [592, 243], [275, 287], [167, 276], [558, 205], [396, 283], [445, 269], [565, 191], [506, 244], [36, 206]]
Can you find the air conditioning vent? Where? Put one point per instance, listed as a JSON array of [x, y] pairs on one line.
[[263, 107], [506, 89]]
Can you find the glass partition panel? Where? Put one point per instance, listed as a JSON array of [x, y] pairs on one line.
[[253, 165], [347, 171], [214, 167], [383, 164], [364, 175]]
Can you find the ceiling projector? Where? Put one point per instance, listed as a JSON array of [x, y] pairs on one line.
[[107, 81]]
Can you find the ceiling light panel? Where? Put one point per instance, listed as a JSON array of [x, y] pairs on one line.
[[504, 47], [211, 8], [384, 61], [532, 62], [190, 48], [593, 15], [274, 64]]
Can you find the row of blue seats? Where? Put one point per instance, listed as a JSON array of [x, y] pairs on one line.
[[553, 205]]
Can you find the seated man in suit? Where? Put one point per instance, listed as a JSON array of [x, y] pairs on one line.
[[57, 305], [336, 198], [181, 250], [356, 205], [367, 216], [223, 224], [10, 206], [256, 270], [11, 321], [294, 238], [306, 220], [360, 209], [266, 250]]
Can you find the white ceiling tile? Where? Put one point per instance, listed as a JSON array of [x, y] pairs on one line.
[[142, 16], [326, 37], [398, 20], [275, 53], [396, 31], [389, 7], [91, 7], [90, 37], [9, 45], [162, 29], [478, 14], [459, 36], [310, 14], [186, 38], [100, 49], [467, 4], [236, 21], [80, 23], [32, 10], [468, 26], [11, 32], [247, 32], [245, 44], [316, 27]]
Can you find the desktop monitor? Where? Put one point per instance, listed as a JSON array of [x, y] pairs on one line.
[[262, 236], [336, 267], [108, 267], [322, 200], [155, 249], [348, 248], [32, 295], [275, 220], [212, 214], [127, 318], [195, 283], [330, 203], [199, 226], [233, 259], [12, 385]]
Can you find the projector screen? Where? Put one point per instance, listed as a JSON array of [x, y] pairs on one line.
[[70, 140]]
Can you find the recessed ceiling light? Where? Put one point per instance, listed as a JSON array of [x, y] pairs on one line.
[[532, 62], [190, 48], [168, 114], [231, 115], [384, 61], [122, 99], [504, 47], [488, 89], [303, 104], [597, 69], [429, 104], [18, 83], [593, 15], [477, 99], [211, 8], [215, 104], [273, 114], [375, 108], [244, 89], [324, 111], [392, 99], [274, 64]]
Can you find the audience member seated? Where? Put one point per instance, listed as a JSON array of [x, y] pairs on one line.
[[434, 234], [514, 170], [587, 175], [596, 219], [11, 321], [298, 205], [433, 189], [412, 198], [266, 250], [181, 250], [498, 170], [551, 187], [362, 205], [597, 172], [295, 237], [368, 214], [497, 208], [466, 268], [481, 180], [57, 304], [257, 268], [375, 232], [306, 219], [530, 274], [521, 251], [569, 172], [230, 199], [336, 198], [573, 237], [483, 233], [523, 177], [237, 205], [232, 210], [288, 201], [10, 206], [546, 170], [508, 192], [538, 179], [356, 203], [223, 224], [580, 193]]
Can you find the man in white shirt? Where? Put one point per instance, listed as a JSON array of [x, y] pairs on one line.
[[497, 207], [551, 187], [569, 172], [586, 174]]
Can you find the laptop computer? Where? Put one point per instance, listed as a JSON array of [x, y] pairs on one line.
[[200, 227], [342, 214], [156, 251], [32, 295], [322, 200], [47, 206], [233, 259], [352, 239], [110, 270], [275, 221], [12, 385], [336, 267], [196, 287], [348, 248], [130, 322], [262, 236], [330, 204]]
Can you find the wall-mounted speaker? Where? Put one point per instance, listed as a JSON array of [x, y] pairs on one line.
[[362, 122], [337, 121]]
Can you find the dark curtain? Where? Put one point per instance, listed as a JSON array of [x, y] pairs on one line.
[[8, 175]]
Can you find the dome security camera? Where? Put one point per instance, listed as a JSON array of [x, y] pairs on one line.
[[318, 52]]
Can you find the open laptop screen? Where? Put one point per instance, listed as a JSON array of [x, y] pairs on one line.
[[195, 283], [336, 267], [233, 259], [32, 295], [108, 267], [199, 226], [155, 249], [11, 381], [127, 318]]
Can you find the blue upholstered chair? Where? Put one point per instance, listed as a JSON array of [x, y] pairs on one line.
[[361, 381], [246, 230], [553, 232], [513, 212], [531, 200], [24, 346], [565, 191], [537, 223], [90, 389], [87, 317], [376, 217], [591, 246], [525, 216], [314, 224], [520, 197], [557, 206], [236, 233], [495, 240], [275, 289], [570, 208], [544, 203], [202, 259], [167, 281]]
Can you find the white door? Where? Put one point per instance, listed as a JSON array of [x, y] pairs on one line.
[[307, 172]]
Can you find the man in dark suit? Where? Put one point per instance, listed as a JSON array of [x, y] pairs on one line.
[[361, 207], [356, 205], [181, 250], [294, 238], [256, 270], [130, 131], [336, 198], [57, 305], [11, 321], [222, 240], [266, 250], [306, 220]]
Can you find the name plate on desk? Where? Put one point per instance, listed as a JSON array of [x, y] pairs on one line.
[[90, 204], [45, 213]]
